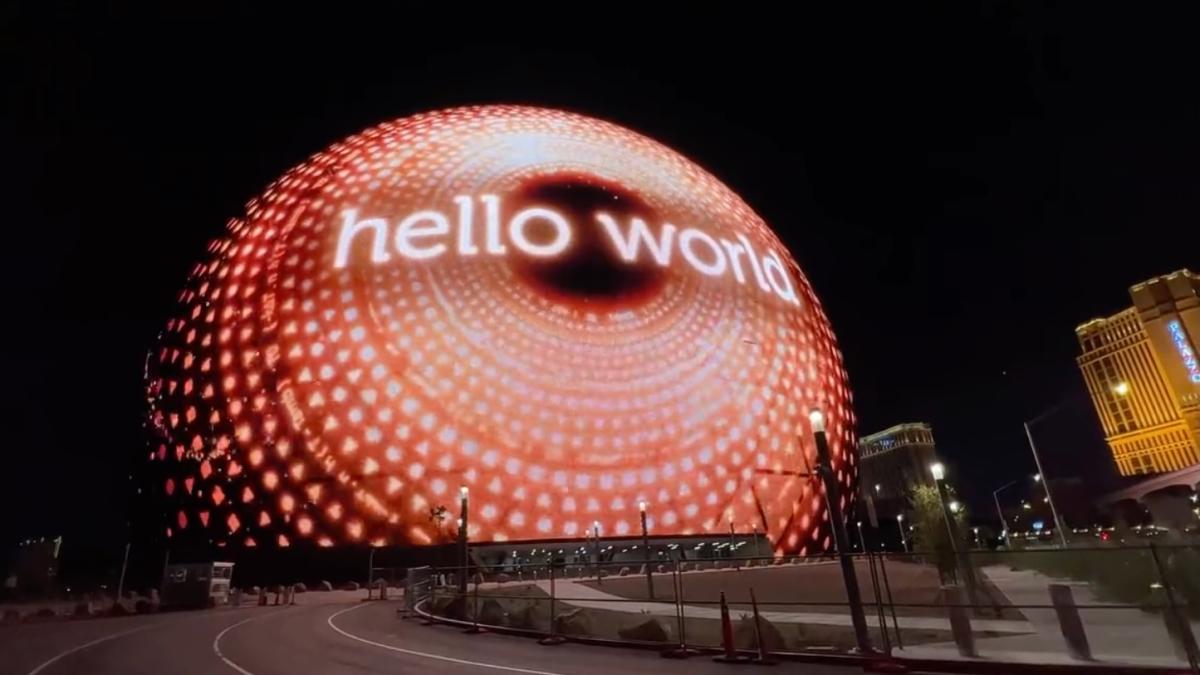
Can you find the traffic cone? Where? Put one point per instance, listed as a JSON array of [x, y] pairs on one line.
[[730, 655], [763, 658]]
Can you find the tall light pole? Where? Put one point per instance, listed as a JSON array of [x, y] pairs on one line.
[[1058, 525], [862, 541], [1000, 513], [900, 526], [939, 478], [596, 534], [731, 540], [462, 537], [837, 522], [646, 545]]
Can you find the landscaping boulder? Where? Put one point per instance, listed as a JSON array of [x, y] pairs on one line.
[[253, 590], [325, 586], [503, 578], [650, 630], [624, 572], [299, 588], [743, 634], [491, 613], [574, 622], [84, 609], [49, 613], [350, 586], [144, 606], [524, 616], [451, 607]]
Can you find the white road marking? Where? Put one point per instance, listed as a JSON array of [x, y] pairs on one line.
[[54, 659], [438, 657], [217, 646]]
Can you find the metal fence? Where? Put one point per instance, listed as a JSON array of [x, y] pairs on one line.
[[1135, 607]]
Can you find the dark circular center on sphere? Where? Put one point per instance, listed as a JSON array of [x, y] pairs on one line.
[[591, 270]]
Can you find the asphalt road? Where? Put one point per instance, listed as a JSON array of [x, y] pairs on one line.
[[335, 636]]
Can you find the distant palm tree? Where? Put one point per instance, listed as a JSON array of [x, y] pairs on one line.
[[437, 516]]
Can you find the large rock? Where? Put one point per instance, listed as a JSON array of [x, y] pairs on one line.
[[350, 586], [524, 616], [503, 578], [84, 609], [451, 607], [624, 572], [574, 622], [743, 634], [325, 586], [650, 630], [299, 588], [491, 613]]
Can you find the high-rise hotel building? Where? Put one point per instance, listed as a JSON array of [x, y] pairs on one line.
[[1142, 371]]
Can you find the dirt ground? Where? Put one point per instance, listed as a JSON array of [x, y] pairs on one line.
[[913, 589]]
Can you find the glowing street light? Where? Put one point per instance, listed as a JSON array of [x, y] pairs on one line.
[[938, 470]]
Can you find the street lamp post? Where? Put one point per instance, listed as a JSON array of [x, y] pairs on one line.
[[939, 475], [731, 537], [862, 541], [1058, 525], [1000, 513], [646, 545], [596, 534], [837, 521], [900, 526], [462, 538]]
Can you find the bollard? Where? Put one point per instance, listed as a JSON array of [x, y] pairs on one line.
[[730, 655], [235, 597], [763, 659], [1069, 622], [383, 589], [278, 593], [960, 621], [262, 599]]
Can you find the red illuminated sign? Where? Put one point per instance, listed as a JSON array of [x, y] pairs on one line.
[[564, 316]]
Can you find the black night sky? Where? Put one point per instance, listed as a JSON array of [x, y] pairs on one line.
[[962, 187]]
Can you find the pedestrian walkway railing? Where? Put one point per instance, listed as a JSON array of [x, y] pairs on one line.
[[1132, 607]]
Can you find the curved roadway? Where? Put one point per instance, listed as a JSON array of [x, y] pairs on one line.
[[332, 635]]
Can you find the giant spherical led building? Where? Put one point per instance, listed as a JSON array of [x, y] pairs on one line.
[[561, 315]]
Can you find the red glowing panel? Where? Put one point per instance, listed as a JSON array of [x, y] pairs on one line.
[[561, 315]]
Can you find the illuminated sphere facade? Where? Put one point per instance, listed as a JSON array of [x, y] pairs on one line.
[[565, 317]]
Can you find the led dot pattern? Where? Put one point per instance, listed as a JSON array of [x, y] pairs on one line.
[[292, 401]]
